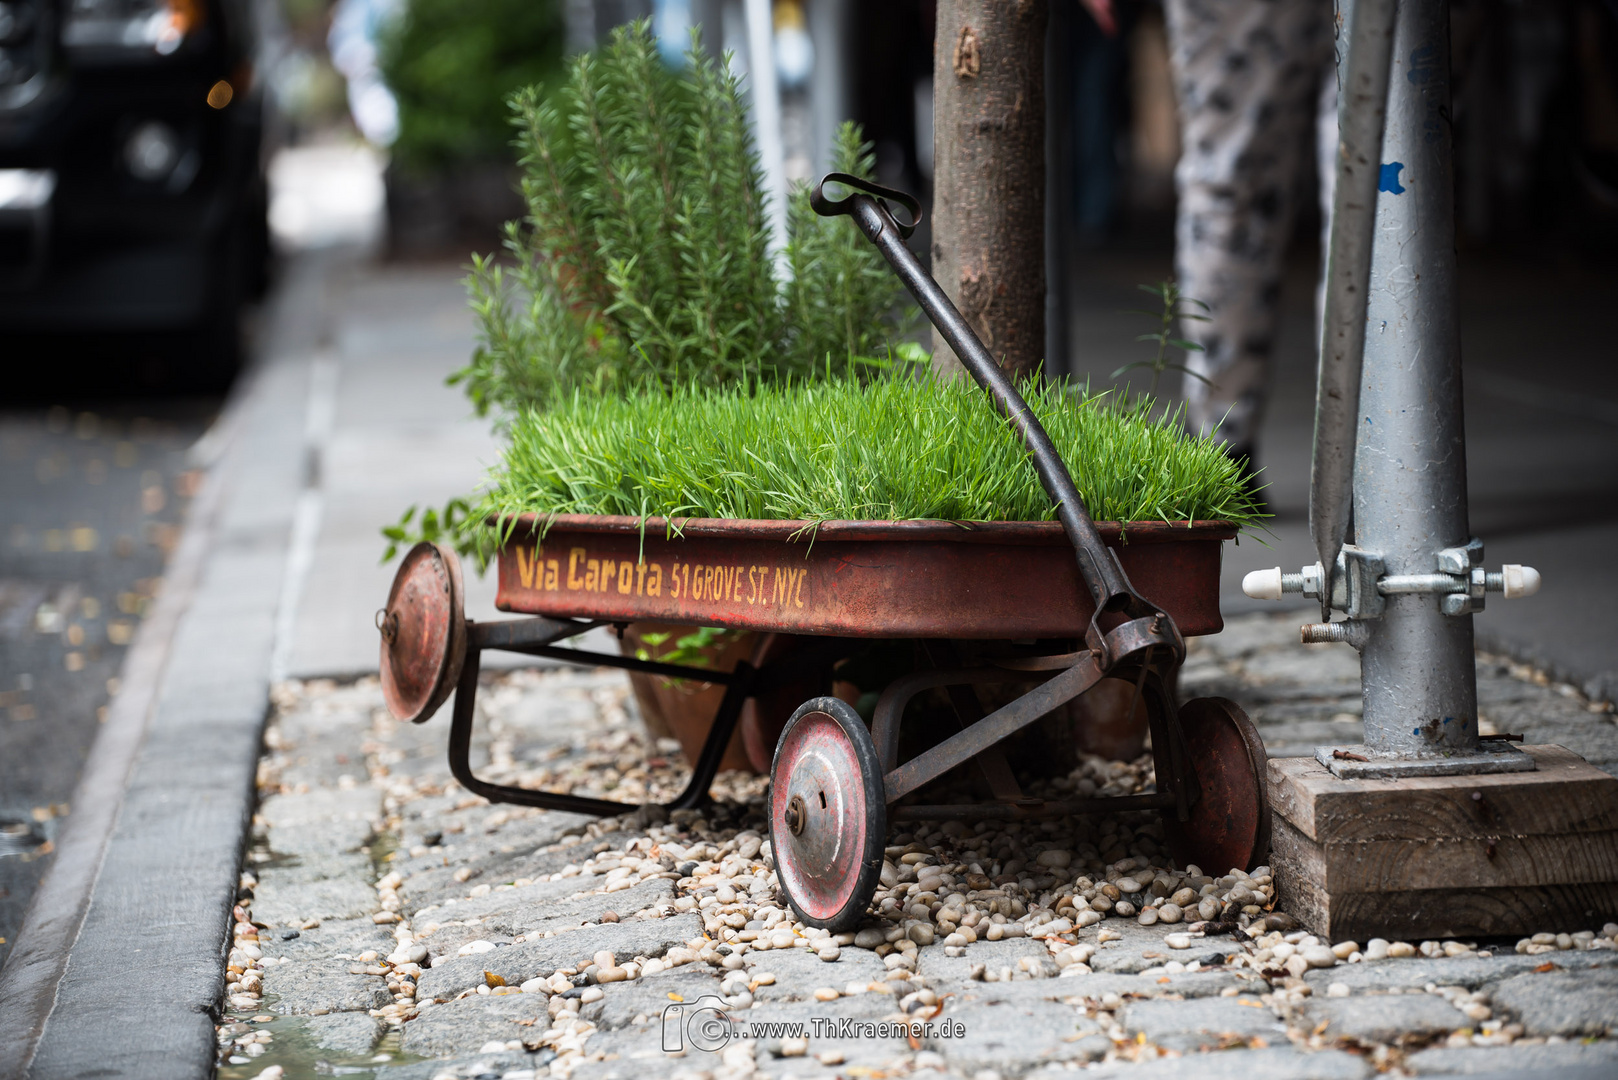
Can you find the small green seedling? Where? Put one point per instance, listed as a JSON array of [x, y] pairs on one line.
[[1168, 292]]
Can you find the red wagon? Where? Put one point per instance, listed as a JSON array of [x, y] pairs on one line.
[[1066, 603]]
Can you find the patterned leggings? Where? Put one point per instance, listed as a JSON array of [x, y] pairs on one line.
[[1252, 77]]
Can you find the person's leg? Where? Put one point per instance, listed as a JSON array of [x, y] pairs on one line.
[[1247, 77]]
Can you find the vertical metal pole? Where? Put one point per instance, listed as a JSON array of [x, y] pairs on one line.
[[1418, 672], [1365, 44], [766, 93]]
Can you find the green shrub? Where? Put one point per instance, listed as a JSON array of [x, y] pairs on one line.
[[453, 63], [644, 258]]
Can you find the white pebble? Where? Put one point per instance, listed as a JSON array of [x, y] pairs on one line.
[[1318, 956]]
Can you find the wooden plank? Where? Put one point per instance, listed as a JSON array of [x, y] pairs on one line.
[[1467, 913], [1447, 862], [1299, 866], [1416, 914], [1565, 794]]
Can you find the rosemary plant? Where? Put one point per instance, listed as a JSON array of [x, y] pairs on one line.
[[644, 257]]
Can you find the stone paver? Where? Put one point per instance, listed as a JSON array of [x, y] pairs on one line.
[[1015, 1038], [468, 1025], [1384, 1018], [382, 894], [1520, 1059], [539, 959], [1272, 1063], [349, 1033], [1203, 1024], [323, 986], [1562, 1002]]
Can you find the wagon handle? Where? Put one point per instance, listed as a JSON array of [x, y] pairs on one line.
[[1102, 573]]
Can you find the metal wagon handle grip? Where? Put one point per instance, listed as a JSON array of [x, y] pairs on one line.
[[1099, 567], [828, 208]]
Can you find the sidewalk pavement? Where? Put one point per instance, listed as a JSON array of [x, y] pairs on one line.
[[347, 422]]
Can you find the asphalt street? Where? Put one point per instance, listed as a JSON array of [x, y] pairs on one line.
[[91, 494]]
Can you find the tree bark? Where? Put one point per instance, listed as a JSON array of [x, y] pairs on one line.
[[989, 175]]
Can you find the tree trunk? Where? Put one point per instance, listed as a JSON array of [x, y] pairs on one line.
[[989, 176]]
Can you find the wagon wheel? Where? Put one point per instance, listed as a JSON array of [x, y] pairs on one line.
[[828, 818], [423, 633], [1229, 826]]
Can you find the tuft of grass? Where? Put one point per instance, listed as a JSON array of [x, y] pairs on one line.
[[893, 449]]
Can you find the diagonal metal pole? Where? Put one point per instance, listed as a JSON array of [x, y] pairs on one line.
[[1362, 105]]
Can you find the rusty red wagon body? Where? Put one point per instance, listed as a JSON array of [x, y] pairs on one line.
[[840, 584], [1061, 604], [915, 579]]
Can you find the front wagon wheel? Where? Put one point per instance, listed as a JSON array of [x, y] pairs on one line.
[[828, 818]]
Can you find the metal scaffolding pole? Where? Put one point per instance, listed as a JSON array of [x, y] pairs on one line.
[[1389, 408]]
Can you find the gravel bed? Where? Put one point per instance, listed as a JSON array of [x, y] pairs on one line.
[[392, 925]]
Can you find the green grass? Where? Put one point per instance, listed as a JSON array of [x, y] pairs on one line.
[[894, 449]]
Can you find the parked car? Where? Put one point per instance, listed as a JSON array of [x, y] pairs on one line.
[[132, 179]]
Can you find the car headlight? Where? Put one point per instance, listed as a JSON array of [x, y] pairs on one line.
[[135, 26], [26, 189]]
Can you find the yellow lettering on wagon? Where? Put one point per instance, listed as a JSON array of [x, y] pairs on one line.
[[713, 583], [526, 567]]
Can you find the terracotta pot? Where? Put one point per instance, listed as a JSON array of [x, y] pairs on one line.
[[684, 710]]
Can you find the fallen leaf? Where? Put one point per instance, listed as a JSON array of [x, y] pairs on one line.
[[675, 997], [1164, 979], [1547, 966], [492, 979]]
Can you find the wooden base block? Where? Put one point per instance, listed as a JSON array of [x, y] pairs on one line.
[[1446, 856]]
